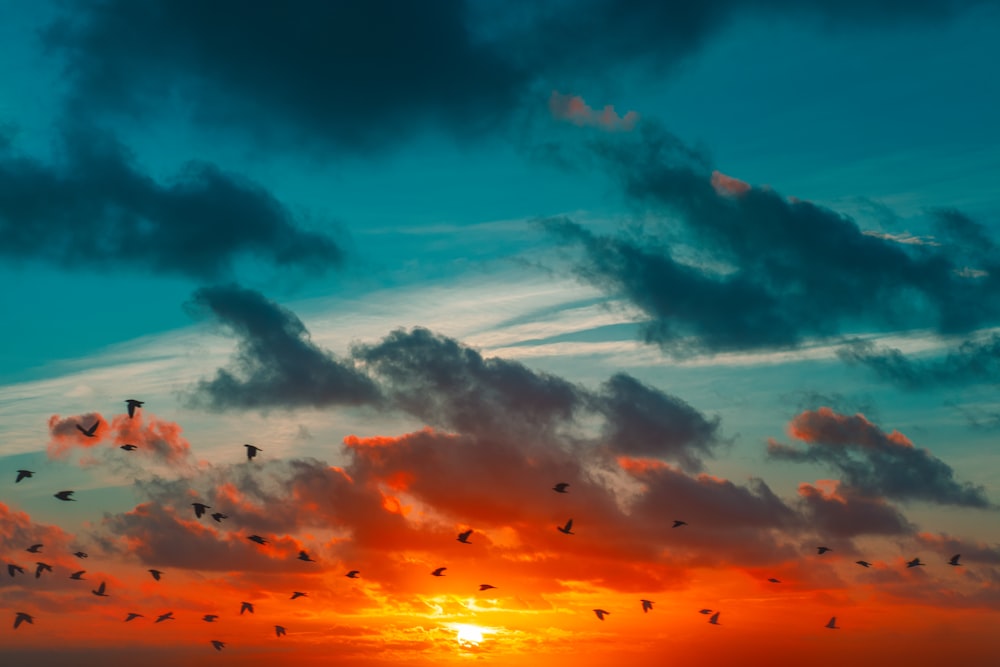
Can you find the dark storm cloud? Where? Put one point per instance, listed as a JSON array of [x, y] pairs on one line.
[[276, 364], [973, 361], [874, 463], [367, 74], [95, 208], [748, 268]]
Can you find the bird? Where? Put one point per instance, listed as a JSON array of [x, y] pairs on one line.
[[486, 587], [704, 611], [305, 557], [64, 495], [156, 574], [218, 645], [678, 523], [297, 594], [252, 451], [132, 616], [560, 487], [954, 560], [246, 606], [913, 563], [209, 618], [77, 575], [601, 613], [439, 572], [353, 574], [40, 568], [169, 616], [100, 591], [11, 569], [863, 563], [89, 432], [129, 448], [199, 509], [463, 537], [822, 550], [258, 539], [22, 474], [647, 605], [567, 529], [219, 516], [132, 405], [80, 554], [279, 630], [23, 618], [715, 618], [832, 624], [34, 548], [774, 581]]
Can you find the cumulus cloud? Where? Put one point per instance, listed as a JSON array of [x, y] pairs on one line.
[[839, 511], [96, 208], [157, 439], [574, 109]]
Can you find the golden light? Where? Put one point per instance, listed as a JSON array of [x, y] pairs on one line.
[[468, 635]]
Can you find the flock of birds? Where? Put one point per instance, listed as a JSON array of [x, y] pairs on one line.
[[200, 509]]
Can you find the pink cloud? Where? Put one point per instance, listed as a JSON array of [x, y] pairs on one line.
[[729, 186], [574, 109]]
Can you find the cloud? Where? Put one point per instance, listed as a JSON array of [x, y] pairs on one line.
[[276, 364], [976, 360], [95, 208], [839, 511], [155, 438], [874, 463], [744, 268], [574, 109]]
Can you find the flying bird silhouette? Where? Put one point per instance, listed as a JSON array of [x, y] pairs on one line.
[[439, 572], [100, 591], [219, 516], [156, 574], [22, 474], [132, 616], [560, 487], [252, 451], [246, 606], [486, 587], [11, 569], [705, 611], [647, 605], [169, 616], [822, 550], [129, 448], [305, 557], [89, 432], [832, 623], [914, 563], [774, 581], [34, 548], [279, 630], [954, 560], [218, 645], [353, 574], [209, 618], [64, 495], [132, 405], [601, 613], [41, 567], [296, 595], [464, 537], [567, 529], [258, 539], [863, 563], [715, 618], [79, 554], [678, 523], [77, 575], [23, 618], [199, 509]]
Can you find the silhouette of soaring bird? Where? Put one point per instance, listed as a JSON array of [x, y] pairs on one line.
[[169, 616], [156, 574], [258, 539], [252, 451], [647, 605], [560, 487], [486, 587], [11, 569], [34, 548], [132, 616], [863, 563], [219, 516], [64, 495], [89, 432], [822, 550], [132, 405], [246, 606], [297, 594], [601, 613], [678, 523], [774, 581], [832, 624], [129, 448], [209, 618], [463, 537], [199, 509], [705, 611], [100, 591], [79, 554], [77, 575], [305, 557], [439, 572], [279, 630], [567, 529], [22, 474], [23, 618], [914, 563], [353, 574], [954, 560], [40, 567], [715, 618], [218, 645]]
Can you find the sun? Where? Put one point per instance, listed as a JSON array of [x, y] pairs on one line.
[[468, 635]]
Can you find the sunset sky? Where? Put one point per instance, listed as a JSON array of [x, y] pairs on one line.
[[734, 263]]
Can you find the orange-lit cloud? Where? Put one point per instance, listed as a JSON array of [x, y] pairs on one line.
[[728, 186], [574, 109]]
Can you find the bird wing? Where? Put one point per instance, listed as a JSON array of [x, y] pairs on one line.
[[569, 524]]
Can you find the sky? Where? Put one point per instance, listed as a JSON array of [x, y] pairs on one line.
[[733, 264]]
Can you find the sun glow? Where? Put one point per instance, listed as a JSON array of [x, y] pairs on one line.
[[468, 635]]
